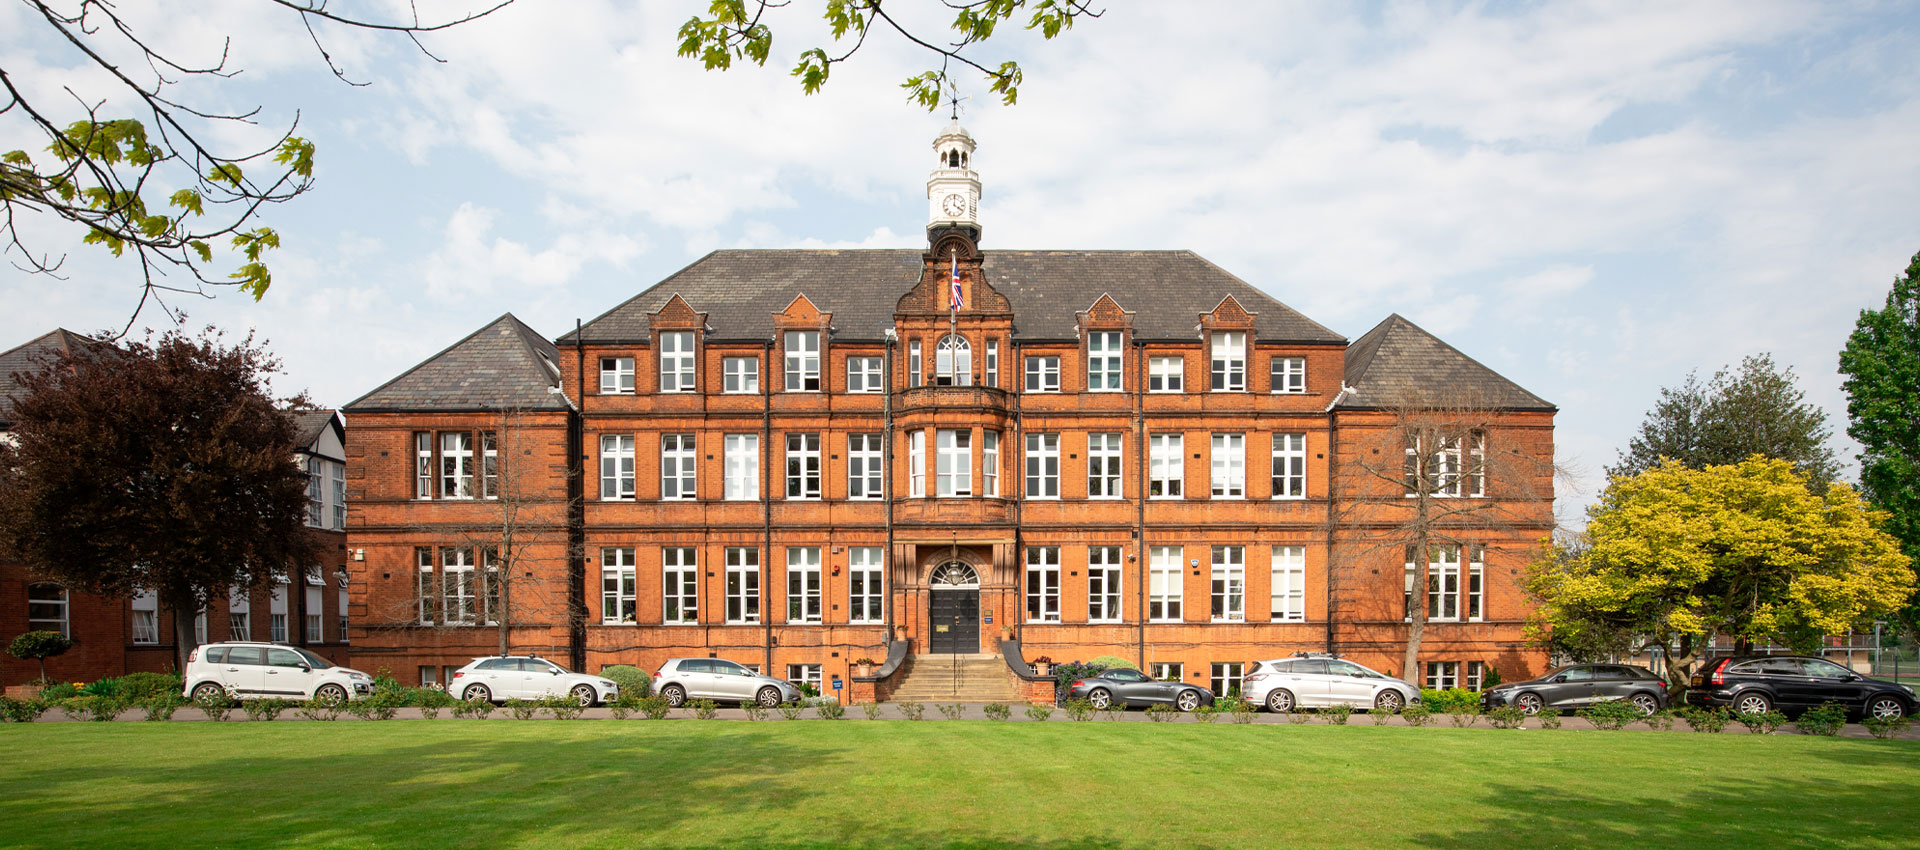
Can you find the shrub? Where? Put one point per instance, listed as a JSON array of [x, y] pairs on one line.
[[216, 705], [1380, 715], [1463, 718], [1492, 678], [1298, 718], [376, 707], [1611, 715], [1241, 710], [1162, 713], [316, 709], [1825, 719], [137, 687], [521, 709], [1039, 713], [754, 711], [265, 709], [654, 707], [1338, 714], [1886, 728], [1416, 715], [952, 711], [911, 710], [830, 711], [1206, 714], [1706, 719], [477, 709], [59, 691], [99, 708], [1659, 721], [1549, 720], [563, 707], [39, 646], [1762, 723], [871, 710], [1078, 709], [1113, 711], [1065, 674], [103, 688], [631, 679], [1506, 717], [432, 700], [162, 706], [997, 711], [1449, 700]]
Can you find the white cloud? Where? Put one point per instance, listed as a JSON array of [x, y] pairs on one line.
[[473, 260]]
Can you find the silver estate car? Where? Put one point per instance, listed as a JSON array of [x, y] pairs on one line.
[[1318, 681], [682, 679]]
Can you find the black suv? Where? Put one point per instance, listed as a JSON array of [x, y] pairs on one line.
[[1578, 686], [1756, 684]]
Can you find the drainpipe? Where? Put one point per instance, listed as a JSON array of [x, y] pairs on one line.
[[887, 476], [1333, 457], [1019, 490], [577, 508], [766, 506], [1140, 481]]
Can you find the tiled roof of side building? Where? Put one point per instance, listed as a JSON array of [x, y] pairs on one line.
[[307, 424], [1167, 291], [1399, 363], [503, 366], [29, 357]]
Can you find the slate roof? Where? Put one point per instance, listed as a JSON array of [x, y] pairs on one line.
[[503, 366], [1167, 291], [27, 358], [1398, 361], [307, 425]]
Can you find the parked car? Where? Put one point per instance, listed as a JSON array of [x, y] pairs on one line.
[[1127, 688], [682, 679], [1580, 685], [1318, 681], [1757, 684], [269, 671], [502, 677]]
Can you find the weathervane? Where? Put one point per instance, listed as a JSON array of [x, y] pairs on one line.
[[953, 97]]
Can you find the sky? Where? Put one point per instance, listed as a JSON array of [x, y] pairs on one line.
[[1593, 199]]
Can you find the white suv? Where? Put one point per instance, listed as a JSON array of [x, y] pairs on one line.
[[501, 677], [1318, 680], [266, 670]]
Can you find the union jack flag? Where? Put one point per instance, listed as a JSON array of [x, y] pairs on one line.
[[955, 300]]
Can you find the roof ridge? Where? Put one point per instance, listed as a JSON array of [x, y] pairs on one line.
[[522, 333]]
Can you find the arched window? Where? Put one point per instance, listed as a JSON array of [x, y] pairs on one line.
[[953, 362], [953, 159], [954, 574], [47, 608]]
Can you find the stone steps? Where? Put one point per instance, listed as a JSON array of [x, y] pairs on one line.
[[950, 678]]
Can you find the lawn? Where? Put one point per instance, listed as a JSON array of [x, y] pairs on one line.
[[853, 783]]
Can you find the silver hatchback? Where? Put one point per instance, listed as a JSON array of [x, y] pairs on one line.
[[682, 679]]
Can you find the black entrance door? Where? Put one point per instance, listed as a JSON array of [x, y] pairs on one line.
[[955, 621]]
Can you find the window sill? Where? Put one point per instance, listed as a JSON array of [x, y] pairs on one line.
[[1289, 498], [1105, 622], [618, 499], [1219, 621], [1165, 622]]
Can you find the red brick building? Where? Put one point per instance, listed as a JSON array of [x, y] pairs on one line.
[[113, 637], [797, 459]]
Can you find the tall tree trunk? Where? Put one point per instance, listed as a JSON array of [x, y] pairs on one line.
[[505, 615], [184, 605]]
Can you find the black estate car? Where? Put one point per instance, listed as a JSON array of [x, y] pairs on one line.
[[1581, 685], [1756, 684]]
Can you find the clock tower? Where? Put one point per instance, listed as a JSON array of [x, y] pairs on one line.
[[953, 189]]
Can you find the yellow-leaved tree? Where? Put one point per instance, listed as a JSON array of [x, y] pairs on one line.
[[1676, 557]]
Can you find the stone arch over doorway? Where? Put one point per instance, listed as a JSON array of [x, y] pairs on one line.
[[953, 581]]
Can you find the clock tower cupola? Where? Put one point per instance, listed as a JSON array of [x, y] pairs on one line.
[[953, 189]]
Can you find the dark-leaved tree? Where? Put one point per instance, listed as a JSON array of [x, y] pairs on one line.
[[1882, 365], [1756, 410], [162, 466]]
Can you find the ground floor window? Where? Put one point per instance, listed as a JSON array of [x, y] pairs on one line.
[[1168, 671], [429, 676], [805, 677], [1226, 677], [47, 609], [1443, 674], [146, 618], [743, 585], [1476, 675]]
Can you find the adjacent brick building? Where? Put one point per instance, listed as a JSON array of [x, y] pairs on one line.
[[794, 458]]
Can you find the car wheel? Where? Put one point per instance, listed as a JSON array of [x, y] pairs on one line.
[[1187, 700], [1389, 700], [768, 697], [1647, 703], [1752, 702], [208, 692], [1530, 704], [1100, 698], [477, 693], [1279, 700], [1884, 707], [585, 694], [330, 695], [676, 695]]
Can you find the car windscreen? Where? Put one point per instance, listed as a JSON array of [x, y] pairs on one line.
[[314, 661]]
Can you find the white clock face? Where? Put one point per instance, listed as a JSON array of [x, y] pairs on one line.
[[954, 205]]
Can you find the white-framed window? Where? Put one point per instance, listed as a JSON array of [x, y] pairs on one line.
[[316, 499], [616, 376], [47, 609], [489, 578], [803, 466], [1166, 374], [1103, 466], [1443, 582], [676, 361], [341, 619], [1442, 675], [993, 363], [1043, 374], [456, 465], [200, 629], [680, 585], [1476, 582], [1043, 584], [1229, 584], [1164, 584], [1289, 374], [240, 609], [1103, 584], [1167, 465], [954, 469], [1167, 671], [1289, 583], [1449, 471], [678, 469], [803, 361], [146, 617], [616, 466], [1229, 466], [739, 375], [1229, 362], [803, 584], [916, 374], [742, 464], [1103, 361], [865, 468], [1043, 466], [743, 585], [1476, 675], [458, 602], [277, 612], [422, 465], [806, 677], [316, 616], [953, 362], [1289, 466], [1227, 677], [866, 591], [489, 469], [916, 463], [863, 375], [990, 463], [424, 587]]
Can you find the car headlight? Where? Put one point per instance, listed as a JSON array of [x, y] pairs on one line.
[[608, 685], [1909, 689]]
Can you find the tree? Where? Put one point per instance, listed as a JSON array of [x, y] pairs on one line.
[[108, 171], [163, 467], [1758, 410], [1882, 365], [1677, 557], [729, 33], [39, 646]]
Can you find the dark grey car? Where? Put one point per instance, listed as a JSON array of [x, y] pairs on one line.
[[1124, 687], [1581, 685]]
